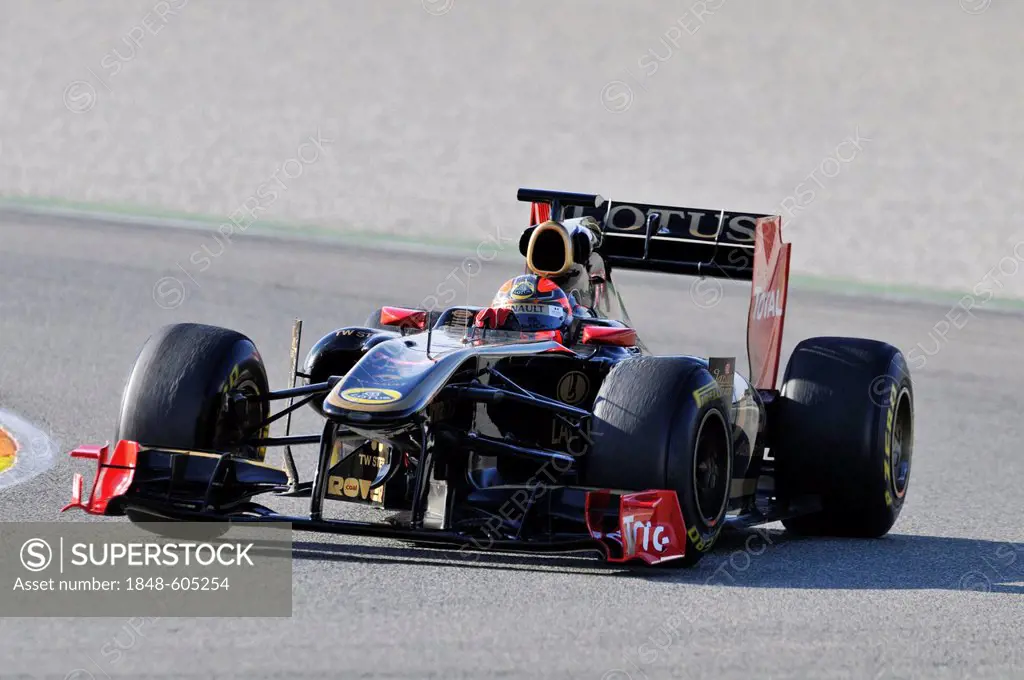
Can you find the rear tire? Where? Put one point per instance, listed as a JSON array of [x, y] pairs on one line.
[[846, 434], [650, 431], [173, 396]]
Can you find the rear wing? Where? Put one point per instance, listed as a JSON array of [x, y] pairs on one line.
[[663, 238], [716, 243]]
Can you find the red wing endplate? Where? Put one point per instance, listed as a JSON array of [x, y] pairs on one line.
[[647, 525], [539, 213], [115, 469], [768, 296]]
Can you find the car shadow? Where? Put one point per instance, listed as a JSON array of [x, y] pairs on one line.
[[754, 559], [758, 558], [446, 557]]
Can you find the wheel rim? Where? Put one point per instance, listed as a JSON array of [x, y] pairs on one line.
[[225, 431], [711, 468], [902, 445]]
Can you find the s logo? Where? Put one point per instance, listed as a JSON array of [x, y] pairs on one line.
[[36, 554]]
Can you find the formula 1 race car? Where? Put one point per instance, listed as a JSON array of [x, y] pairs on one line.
[[539, 423]]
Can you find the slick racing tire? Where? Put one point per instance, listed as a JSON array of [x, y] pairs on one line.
[[846, 435], [661, 423], [373, 321], [174, 393]]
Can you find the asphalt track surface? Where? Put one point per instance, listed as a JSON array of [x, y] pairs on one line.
[[940, 597]]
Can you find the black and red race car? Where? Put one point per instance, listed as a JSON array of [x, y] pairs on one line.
[[539, 423]]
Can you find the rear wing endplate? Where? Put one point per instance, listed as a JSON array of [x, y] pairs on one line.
[[769, 293]]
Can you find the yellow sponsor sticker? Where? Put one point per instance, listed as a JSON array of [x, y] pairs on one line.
[[370, 395], [352, 487]]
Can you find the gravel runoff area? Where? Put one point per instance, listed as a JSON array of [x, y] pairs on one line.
[[889, 135]]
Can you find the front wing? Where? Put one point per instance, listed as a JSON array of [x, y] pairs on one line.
[[163, 484]]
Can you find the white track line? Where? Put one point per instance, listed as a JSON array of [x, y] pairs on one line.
[[36, 452]]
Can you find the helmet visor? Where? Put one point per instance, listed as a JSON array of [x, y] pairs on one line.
[[538, 317]]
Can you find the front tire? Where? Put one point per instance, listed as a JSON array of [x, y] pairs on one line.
[[846, 435], [661, 423], [174, 393]]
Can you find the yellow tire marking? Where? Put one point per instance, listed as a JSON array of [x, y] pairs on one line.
[[8, 449]]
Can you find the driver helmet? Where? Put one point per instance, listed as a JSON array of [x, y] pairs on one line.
[[536, 303]]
